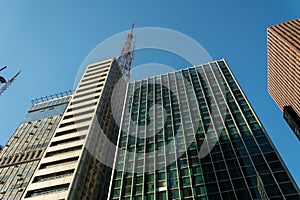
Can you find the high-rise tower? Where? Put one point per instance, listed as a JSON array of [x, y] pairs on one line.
[[20, 156], [71, 167], [192, 134], [284, 70]]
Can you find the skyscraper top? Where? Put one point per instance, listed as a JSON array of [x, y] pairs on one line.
[[50, 97], [288, 31], [284, 64], [284, 69]]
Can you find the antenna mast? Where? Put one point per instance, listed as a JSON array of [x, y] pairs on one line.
[[127, 53]]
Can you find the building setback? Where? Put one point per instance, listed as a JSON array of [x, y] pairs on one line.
[[162, 149], [284, 69], [20, 156]]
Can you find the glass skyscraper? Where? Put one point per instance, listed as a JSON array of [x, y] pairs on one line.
[[192, 134]]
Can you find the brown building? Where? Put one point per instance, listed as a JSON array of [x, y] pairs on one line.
[[284, 66]]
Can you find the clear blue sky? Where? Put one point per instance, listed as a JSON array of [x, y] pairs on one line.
[[48, 40]]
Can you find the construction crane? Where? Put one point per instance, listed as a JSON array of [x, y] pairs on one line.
[[127, 53], [7, 83]]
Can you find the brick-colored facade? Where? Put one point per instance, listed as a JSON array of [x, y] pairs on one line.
[[284, 64]]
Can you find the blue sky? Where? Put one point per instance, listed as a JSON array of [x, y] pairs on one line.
[[48, 41]]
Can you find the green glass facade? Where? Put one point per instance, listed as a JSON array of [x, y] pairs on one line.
[[170, 119]]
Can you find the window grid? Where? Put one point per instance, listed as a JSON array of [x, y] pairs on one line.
[[231, 168]]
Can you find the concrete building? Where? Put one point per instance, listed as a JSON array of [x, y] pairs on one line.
[[69, 169], [169, 123], [22, 153], [284, 69]]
